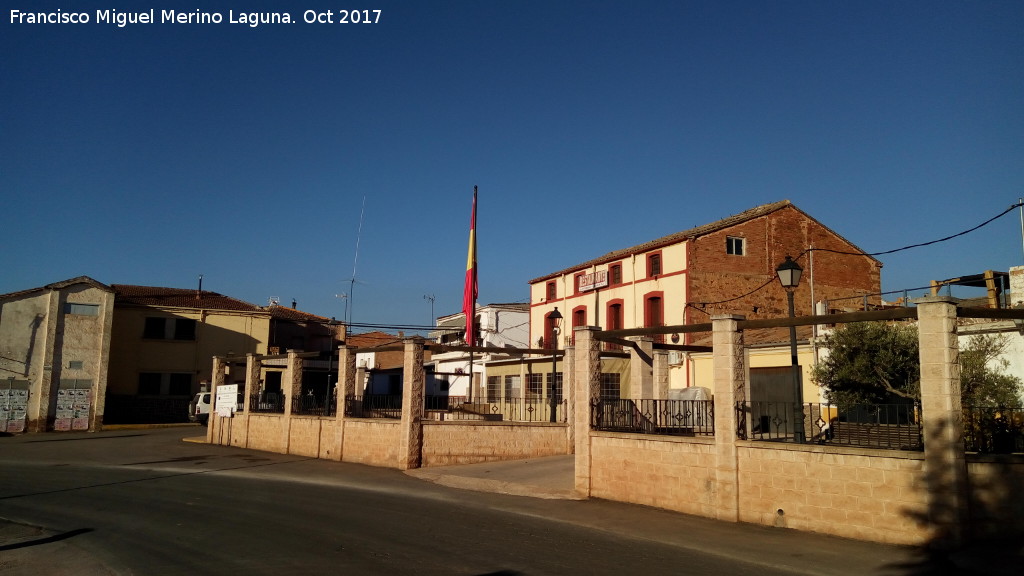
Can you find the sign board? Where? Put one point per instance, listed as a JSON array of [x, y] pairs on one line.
[[227, 400], [593, 280]]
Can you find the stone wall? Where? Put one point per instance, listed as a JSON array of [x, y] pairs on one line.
[[372, 442], [855, 493], [660, 471], [467, 442], [997, 483]]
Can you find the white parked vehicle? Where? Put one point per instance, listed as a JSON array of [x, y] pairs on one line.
[[199, 408]]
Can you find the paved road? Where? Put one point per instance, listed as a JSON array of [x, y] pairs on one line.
[[144, 502]]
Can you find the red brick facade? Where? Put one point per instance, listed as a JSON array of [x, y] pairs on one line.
[[730, 267]]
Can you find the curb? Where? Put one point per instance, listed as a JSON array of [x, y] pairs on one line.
[[494, 486], [106, 427]]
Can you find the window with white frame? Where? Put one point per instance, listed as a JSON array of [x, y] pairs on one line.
[[735, 245]]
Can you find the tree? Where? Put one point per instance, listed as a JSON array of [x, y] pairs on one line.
[[983, 380], [879, 363], [870, 363]]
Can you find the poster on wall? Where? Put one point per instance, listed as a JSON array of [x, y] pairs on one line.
[[81, 405], [13, 410], [65, 411], [73, 406]]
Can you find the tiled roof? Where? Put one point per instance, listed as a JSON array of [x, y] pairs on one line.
[[59, 285], [372, 339], [286, 313], [692, 233], [178, 298]]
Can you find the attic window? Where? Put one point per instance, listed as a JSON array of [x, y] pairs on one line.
[[551, 291], [735, 246], [82, 309], [653, 264]]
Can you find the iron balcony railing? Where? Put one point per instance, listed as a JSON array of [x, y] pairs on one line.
[[885, 426], [667, 417], [994, 430]]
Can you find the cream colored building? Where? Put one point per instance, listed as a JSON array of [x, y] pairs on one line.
[[162, 343], [54, 349]]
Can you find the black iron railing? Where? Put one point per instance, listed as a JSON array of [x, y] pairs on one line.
[[374, 406], [268, 402], [311, 405], [667, 417], [508, 409], [994, 430], [886, 426]]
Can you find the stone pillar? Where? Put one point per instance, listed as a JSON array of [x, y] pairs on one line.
[[252, 381], [216, 380], [1016, 285], [587, 381], [346, 387], [291, 386], [730, 386], [942, 419], [569, 392], [661, 374], [641, 369], [414, 381]]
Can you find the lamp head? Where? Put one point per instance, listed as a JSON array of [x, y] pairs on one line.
[[789, 273]]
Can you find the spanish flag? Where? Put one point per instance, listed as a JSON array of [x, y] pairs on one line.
[[470, 292]]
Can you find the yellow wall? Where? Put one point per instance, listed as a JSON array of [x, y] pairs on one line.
[[218, 333], [701, 374], [635, 285]]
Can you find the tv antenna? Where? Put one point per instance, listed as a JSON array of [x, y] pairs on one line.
[[350, 300]]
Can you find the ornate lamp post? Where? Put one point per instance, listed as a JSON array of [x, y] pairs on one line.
[[556, 320], [789, 276]]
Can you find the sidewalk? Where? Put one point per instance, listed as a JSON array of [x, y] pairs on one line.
[[550, 477]]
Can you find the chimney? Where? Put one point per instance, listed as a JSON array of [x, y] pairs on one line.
[[294, 304]]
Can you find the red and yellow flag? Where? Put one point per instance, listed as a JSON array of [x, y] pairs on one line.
[[470, 292]]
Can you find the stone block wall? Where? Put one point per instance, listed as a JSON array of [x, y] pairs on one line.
[[265, 432], [661, 471], [373, 442], [448, 443], [855, 493], [305, 436]]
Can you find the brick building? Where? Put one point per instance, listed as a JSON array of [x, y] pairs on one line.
[[725, 267]]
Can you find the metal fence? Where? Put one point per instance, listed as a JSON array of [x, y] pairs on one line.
[[886, 426], [994, 430], [667, 417], [268, 402], [374, 406], [507, 409], [314, 405]]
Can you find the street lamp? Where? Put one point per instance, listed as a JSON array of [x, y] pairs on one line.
[[556, 320], [789, 276]]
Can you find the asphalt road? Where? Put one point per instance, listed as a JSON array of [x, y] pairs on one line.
[[144, 502]]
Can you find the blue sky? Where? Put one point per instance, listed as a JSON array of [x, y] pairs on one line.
[[154, 153]]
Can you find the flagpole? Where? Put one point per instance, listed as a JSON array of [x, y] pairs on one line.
[[469, 296]]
